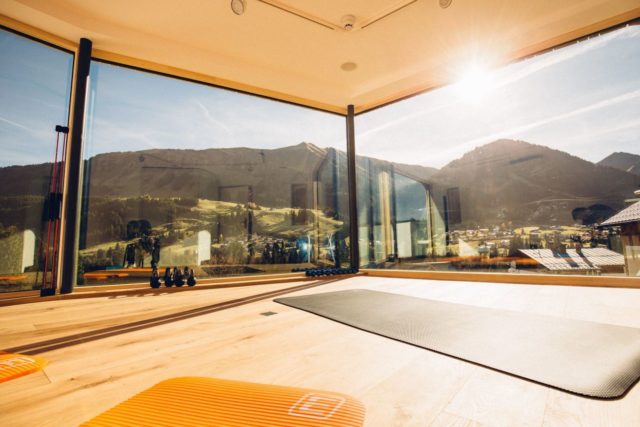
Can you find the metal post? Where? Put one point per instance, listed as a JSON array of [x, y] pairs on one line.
[[446, 222], [351, 177], [334, 180], [71, 218], [431, 230], [394, 214]]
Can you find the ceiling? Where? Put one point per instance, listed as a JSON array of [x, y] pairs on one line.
[[294, 49]]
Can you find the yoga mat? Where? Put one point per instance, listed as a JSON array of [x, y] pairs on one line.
[[586, 358], [17, 365], [194, 401]]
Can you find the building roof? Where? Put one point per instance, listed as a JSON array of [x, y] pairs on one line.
[[591, 259], [299, 51], [630, 214]]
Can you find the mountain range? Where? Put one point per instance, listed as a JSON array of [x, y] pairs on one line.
[[623, 161], [509, 180], [505, 180]]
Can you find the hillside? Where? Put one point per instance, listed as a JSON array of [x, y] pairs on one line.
[[214, 174], [25, 180], [509, 180], [622, 161], [501, 181], [417, 172]]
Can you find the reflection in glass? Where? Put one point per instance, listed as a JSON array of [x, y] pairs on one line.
[[522, 177], [35, 85], [189, 177]]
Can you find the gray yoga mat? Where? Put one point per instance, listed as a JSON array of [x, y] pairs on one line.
[[587, 358]]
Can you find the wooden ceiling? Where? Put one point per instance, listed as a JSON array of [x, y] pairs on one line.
[[296, 50]]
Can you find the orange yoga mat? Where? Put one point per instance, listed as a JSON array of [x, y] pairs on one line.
[[193, 401], [17, 365]]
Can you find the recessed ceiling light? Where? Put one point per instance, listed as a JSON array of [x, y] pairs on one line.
[[348, 21], [349, 66], [238, 6], [445, 3]]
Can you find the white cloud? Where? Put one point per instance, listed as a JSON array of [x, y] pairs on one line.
[[16, 124], [514, 132], [390, 117]]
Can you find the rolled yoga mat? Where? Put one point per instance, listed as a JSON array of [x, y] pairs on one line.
[[587, 358]]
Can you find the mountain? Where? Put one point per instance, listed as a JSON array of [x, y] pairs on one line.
[[622, 161], [215, 174], [417, 172], [228, 174], [25, 180], [509, 180], [502, 181]]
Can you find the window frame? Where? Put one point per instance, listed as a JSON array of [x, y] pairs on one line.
[[595, 29]]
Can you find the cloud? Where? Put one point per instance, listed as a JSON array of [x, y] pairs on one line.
[[105, 136], [215, 124], [388, 123], [560, 55], [503, 77], [18, 125], [518, 130]]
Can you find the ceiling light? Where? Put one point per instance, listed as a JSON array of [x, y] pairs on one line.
[[445, 3], [238, 6]]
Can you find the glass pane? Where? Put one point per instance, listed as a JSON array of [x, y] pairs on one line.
[[35, 82], [515, 169], [184, 176]]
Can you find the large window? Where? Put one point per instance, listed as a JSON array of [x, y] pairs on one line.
[[35, 84], [529, 168], [514, 169], [184, 176]]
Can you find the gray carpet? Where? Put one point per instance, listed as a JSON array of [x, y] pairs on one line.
[[587, 358]]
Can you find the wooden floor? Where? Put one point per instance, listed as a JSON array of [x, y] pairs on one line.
[[400, 385]]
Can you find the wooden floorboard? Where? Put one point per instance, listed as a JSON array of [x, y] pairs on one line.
[[399, 384]]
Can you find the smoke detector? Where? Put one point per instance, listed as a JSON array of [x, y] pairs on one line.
[[348, 21]]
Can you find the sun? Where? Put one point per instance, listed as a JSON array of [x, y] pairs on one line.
[[475, 82]]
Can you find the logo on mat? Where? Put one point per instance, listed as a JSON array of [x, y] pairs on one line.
[[316, 406], [16, 362]]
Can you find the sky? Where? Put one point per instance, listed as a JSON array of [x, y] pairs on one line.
[[34, 91], [583, 99], [131, 110]]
